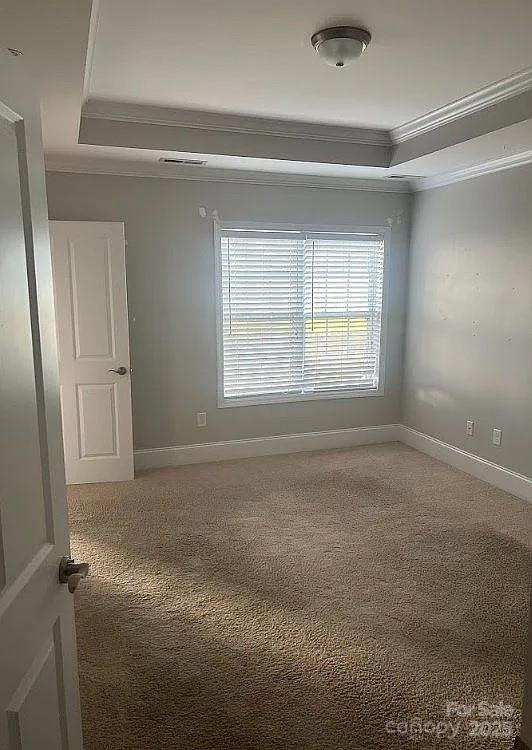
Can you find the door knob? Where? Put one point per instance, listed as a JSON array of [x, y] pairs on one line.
[[72, 573], [120, 370]]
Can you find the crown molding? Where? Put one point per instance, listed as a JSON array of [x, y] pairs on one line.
[[477, 170], [210, 174], [91, 43], [506, 88], [232, 123]]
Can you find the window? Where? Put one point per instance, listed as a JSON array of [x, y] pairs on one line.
[[299, 314]]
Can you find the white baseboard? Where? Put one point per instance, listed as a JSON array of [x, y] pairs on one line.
[[505, 479], [264, 446]]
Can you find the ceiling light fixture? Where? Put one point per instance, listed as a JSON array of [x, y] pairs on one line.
[[340, 45]]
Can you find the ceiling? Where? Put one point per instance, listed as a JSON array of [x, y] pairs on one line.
[[245, 58], [255, 57], [53, 35]]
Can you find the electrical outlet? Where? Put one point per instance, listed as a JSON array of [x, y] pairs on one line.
[[496, 436], [201, 419], [470, 428]]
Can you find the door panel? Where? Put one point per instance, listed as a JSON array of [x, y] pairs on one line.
[[34, 714], [93, 335], [23, 520], [98, 418], [90, 287], [39, 700]]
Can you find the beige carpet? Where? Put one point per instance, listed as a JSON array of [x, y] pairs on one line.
[[297, 602]]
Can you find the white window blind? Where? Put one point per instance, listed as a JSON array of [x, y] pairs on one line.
[[301, 314]]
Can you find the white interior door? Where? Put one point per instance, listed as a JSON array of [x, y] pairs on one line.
[[89, 271], [39, 702]]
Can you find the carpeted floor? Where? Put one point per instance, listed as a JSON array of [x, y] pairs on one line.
[[307, 602]]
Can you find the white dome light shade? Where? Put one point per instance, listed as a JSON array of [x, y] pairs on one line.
[[341, 45]]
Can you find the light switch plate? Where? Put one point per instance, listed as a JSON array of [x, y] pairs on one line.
[[497, 436], [470, 428], [201, 419]]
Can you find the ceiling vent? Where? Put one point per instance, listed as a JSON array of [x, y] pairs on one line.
[[183, 162]]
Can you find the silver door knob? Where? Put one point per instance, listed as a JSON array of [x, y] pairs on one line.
[[72, 573], [120, 370]]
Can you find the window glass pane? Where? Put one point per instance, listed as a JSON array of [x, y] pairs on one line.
[[301, 313], [343, 301], [262, 292]]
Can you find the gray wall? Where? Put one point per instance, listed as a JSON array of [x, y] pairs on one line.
[[170, 275], [469, 329], [468, 351]]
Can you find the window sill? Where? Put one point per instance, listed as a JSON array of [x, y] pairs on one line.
[[225, 403]]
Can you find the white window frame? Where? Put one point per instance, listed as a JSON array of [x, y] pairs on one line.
[[223, 402]]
